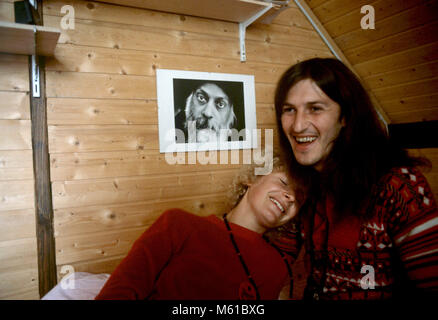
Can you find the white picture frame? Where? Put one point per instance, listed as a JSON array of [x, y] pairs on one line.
[[179, 91]]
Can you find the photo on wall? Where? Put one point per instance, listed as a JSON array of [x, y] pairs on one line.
[[205, 111]]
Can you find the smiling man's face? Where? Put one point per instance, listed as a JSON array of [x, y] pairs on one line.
[[311, 121]]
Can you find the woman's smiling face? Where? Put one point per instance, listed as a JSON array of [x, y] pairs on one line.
[[312, 122], [272, 200]]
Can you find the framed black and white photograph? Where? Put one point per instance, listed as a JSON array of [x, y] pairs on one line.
[[205, 111]]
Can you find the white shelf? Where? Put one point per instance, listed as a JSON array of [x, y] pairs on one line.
[[227, 10], [27, 39]]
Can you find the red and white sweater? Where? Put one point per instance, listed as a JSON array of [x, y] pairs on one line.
[[398, 244]]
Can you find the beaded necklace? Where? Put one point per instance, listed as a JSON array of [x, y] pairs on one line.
[[245, 267]]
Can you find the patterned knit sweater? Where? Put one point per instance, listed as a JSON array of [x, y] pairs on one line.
[[391, 254]]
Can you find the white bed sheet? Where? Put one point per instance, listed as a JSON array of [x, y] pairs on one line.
[[78, 286]]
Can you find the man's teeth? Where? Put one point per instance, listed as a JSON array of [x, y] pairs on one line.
[[305, 139], [278, 204]]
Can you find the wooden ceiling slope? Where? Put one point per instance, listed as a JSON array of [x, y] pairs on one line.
[[398, 60]]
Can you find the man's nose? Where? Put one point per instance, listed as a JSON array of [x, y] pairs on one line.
[[300, 122], [208, 110]]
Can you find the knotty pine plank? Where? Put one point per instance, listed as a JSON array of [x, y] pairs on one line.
[[17, 224], [101, 12], [18, 252], [402, 41], [73, 111], [427, 101], [103, 34], [96, 165], [14, 105], [414, 88], [402, 59], [419, 15], [16, 135], [89, 220], [79, 193], [14, 74], [351, 21], [418, 115], [133, 62], [104, 86], [16, 165], [16, 194], [94, 246], [414, 72]]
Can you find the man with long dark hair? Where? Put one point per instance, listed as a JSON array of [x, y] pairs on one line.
[[370, 224]]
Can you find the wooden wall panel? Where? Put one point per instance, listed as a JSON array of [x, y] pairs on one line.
[[101, 34], [109, 182], [16, 165], [409, 74], [293, 17], [18, 250], [99, 85], [383, 8], [94, 165], [398, 60], [19, 281], [7, 11], [13, 222], [103, 86], [14, 75], [18, 194], [15, 135], [411, 89], [279, 33], [74, 221], [132, 62], [421, 35], [104, 223], [332, 9], [65, 111], [417, 115], [130, 189], [102, 138], [14, 105], [393, 24], [412, 103], [94, 246]]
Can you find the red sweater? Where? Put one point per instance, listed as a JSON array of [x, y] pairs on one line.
[[184, 256], [399, 241]]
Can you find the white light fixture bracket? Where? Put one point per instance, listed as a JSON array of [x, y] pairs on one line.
[[242, 29], [35, 70], [35, 78]]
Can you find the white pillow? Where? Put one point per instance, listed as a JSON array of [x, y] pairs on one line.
[[78, 286]]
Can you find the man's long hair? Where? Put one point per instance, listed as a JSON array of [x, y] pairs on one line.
[[361, 154]]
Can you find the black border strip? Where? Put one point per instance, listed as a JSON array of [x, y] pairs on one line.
[[415, 135]]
